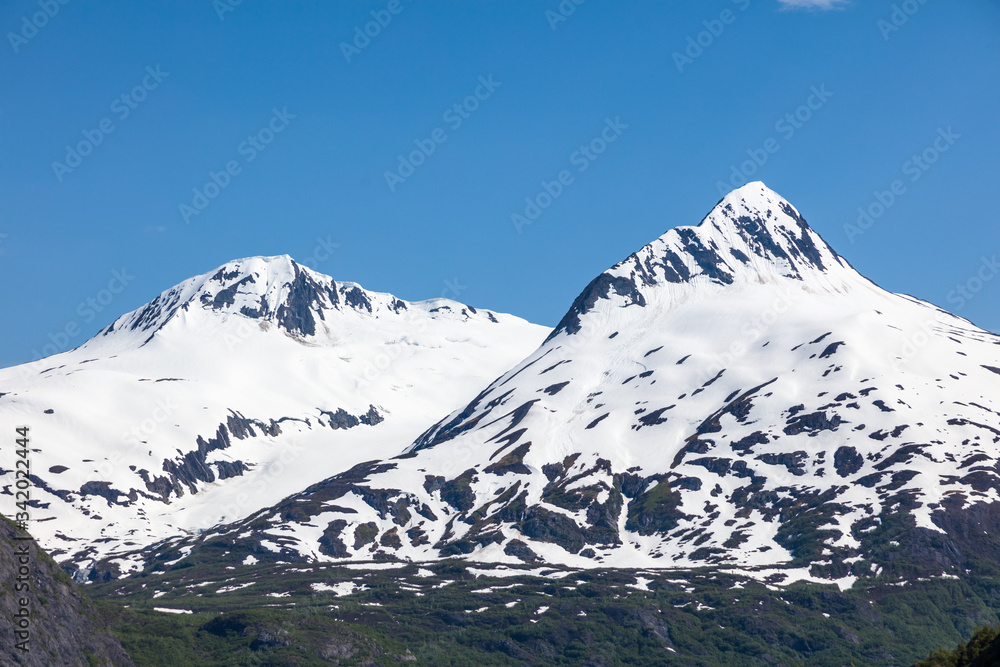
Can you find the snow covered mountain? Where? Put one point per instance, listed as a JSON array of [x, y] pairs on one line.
[[733, 394], [232, 390]]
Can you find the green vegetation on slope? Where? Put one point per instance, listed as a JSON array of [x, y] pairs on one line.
[[455, 613], [983, 650]]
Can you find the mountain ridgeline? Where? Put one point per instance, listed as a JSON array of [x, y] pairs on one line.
[[733, 394]]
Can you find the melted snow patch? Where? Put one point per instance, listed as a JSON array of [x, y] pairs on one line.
[[340, 588], [234, 587], [270, 546], [375, 566], [185, 552], [847, 582], [490, 589], [502, 572], [641, 583], [923, 520]]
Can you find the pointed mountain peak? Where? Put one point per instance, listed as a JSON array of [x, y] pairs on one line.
[[752, 236], [755, 218], [752, 232]]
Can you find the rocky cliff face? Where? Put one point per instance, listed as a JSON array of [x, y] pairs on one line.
[[64, 627]]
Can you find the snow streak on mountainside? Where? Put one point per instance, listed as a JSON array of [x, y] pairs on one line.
[[232, 390], [732, 394]]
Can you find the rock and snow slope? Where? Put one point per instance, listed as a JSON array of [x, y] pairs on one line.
[[232, 390], [733, 394]]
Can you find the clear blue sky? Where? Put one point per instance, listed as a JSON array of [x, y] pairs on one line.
[[447, 228]]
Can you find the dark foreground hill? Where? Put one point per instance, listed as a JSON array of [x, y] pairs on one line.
[[65, 627]]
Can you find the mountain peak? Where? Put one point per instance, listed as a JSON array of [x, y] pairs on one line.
[[276, 290], [273, 288], [753, 235], [771, 228]]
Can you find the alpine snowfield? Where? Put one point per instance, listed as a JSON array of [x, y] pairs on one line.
[[732, 395], [233, 390]]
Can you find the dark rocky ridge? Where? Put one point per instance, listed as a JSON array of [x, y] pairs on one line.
[[306, 299], [65, 628], [192, 468]]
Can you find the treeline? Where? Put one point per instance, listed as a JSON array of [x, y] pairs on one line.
[[983, 650]]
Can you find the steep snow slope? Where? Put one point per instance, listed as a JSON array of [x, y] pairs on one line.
[[732, 394], [234, 389]]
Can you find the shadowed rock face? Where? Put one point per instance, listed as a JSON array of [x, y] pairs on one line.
[[305, 296], [65, 627], [275, 289]]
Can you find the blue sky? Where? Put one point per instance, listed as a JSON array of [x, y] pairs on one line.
[[309, 117]]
